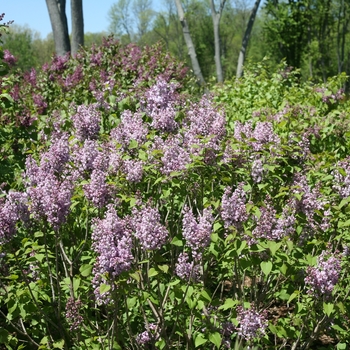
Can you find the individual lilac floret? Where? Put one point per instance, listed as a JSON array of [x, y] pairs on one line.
[[86, 122], [131, 127], [322, 278], [133, 170], [112, 242], [97, 190], [148, 228], [73, 316], [13, 209], [252, 324], [188, 271], [206, 127], [233, 206], [161, 104], [197, 233]]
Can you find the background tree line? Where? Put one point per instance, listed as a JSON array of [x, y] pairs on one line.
[[309, 34]]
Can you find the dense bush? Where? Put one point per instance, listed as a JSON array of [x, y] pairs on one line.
[[146, 217]]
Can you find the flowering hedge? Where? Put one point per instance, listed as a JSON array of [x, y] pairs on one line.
[[144, 216]]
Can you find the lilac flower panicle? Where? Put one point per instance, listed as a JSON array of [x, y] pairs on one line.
[[97, 191], [342, 178], [112, 241], [197, 233], [257, 170], [86, 122], [133, 170], [233, 206], [188, 271], [56, 158], [206, 127], [13, 209], [84, 156], [131, 127], [252, 324], [148, 228], [322, 278], [143, 338], [161, 102], [9, 58], [73, 316]]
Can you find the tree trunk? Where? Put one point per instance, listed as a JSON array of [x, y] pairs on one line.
[[57, 13], [245, 41], [216, 15], [189, 43], [77, 25]]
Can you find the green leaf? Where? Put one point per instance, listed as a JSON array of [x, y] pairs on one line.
[[199, 340], [59, 344], [104, 288], [341, 346], [328, 308], [85, 270], [152, 272], [266, 267], [228, 304], [177, 242], [206, 295], [293, 296], [215, 338], [164, 268], [343, 223], [274, 246]]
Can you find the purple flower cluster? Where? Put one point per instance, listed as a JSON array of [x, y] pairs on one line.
[[342, 178], [133, 170], [147, 336], [131, 127], [48, 188], [148, 228], [13, 209], [161, 102], [197, 233], [72, 313], [86, 122], [97, 190], [84, 157], [322, 278], [188, 271], [206, 127], [285, 223], [262, 134], [252, 324], [329, 97], [310, 201], [265, 224], [233, 206], [112, 241], [9, 58], [257, 170], [40, 103]]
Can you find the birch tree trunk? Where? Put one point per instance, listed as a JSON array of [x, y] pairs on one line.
[[245, 40], [216, 16], [189, 43], [58, 19], [77, 25]]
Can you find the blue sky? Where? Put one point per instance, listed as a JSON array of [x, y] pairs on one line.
[[34, 14]]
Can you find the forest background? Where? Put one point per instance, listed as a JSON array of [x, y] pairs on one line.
[[311, 35]]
